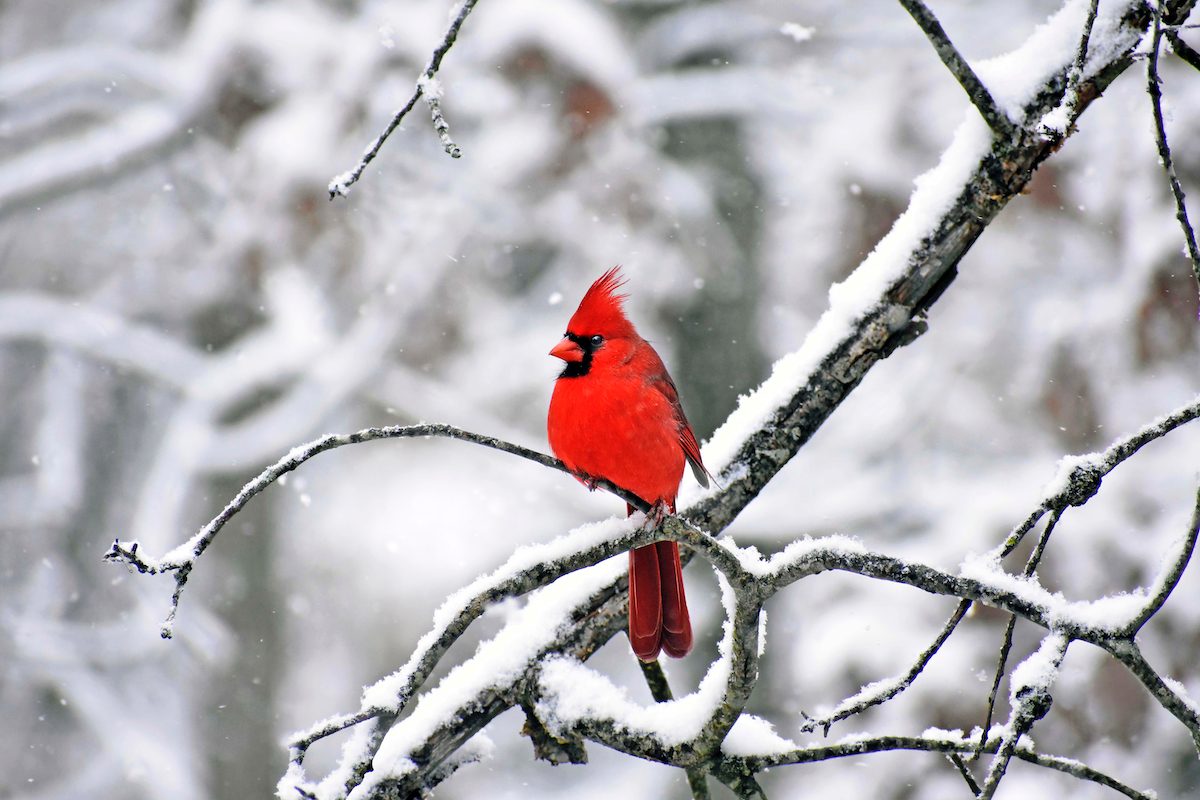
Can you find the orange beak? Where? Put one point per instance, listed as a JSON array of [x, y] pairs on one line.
[[568, 351]]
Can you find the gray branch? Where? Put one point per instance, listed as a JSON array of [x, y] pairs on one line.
[[1154, 87], [960, 746], [340, 186], [182, 559], [982, 99]]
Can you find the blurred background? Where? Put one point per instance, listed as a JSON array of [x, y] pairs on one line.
[[180, 304]]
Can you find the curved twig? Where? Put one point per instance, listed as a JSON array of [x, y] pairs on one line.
[[182, 559]]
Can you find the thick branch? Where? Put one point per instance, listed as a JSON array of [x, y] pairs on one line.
[[1183, 49]]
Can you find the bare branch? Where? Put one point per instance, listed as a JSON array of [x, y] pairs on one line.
[[182, 559], [342, 183], [1080, 476], [996, 119], [1164, 149], [660, 690], [882, 691], [1030, 699], [1185, 710], [433, 98], [1170, 579]]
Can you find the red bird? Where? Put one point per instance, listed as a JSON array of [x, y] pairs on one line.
[[615, 414]]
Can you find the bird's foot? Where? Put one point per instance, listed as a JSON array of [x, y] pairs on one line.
[[655, 516]]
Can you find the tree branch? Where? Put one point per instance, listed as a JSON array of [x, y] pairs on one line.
[[949, 744], [1185, 710], [1056, 123], [1154, 88], [182, 559], [881, 691], [342, 183], [982, 99]]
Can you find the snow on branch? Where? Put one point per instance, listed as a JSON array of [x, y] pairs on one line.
[[426, 85]]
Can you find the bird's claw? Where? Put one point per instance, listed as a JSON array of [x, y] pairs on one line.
[[655, 516]]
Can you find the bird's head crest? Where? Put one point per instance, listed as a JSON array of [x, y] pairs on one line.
[[602, 309]]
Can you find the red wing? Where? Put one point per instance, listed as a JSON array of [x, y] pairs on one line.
[[687, 437]]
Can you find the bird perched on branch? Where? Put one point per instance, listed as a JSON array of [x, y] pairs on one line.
[[615, 414]]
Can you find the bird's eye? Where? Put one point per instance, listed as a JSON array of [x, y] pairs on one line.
[[597, 340]]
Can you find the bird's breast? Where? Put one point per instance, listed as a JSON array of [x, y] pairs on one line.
[[619, 429]]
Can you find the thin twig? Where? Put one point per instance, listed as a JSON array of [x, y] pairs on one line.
[[864, 700], [996, 119], [182, 558], [342, 183], [660, 690], [1085, 475], [1164, 150], [1056, 123], [1171, 579], [957, 760], [881, 744], [1128, 653], [1030, 701], [1006, 646]]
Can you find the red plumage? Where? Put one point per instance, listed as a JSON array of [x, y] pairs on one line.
[[615, 414]]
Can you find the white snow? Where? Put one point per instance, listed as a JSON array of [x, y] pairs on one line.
[[573, 692], [1062, 475], [752, 735], [1040, 669], [1110, 613], [495, 665], [797, 32]]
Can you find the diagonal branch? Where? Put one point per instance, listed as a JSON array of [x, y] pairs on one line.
[[1006, 645], [342, 183], [1030, 699], [1173, 700], [996, 119], [881, 691], [1055, 124], [1154, 87], [1171, 576], [1183, 49], [934, 744]]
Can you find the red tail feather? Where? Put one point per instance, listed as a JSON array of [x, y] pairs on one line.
[[676, 625], [645, 603]]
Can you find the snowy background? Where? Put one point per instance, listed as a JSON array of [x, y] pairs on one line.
[[180, 304]]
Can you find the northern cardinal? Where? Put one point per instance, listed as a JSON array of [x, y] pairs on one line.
[[615, 414]]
